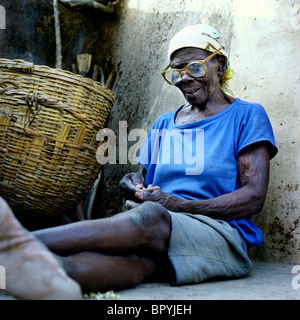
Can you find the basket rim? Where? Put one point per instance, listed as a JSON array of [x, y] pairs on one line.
[[43, 70]]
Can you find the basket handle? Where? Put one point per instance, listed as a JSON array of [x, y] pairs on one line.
[[34, 104]]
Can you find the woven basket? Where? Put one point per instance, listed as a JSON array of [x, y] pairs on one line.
[[48, 124]]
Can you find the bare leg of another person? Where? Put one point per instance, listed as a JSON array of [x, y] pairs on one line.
[[32, 272]]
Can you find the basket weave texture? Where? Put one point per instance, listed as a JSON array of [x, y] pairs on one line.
[[48, 124]]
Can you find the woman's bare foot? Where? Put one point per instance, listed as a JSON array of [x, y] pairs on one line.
[[32, 272]]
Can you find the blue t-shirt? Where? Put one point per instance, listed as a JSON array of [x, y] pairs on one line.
[[198, 160]]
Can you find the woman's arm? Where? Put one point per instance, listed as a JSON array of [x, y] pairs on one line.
[[253, 170]]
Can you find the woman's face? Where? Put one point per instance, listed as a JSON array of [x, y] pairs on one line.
[[197, 91]]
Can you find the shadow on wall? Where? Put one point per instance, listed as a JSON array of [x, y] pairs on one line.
[[30, 33]]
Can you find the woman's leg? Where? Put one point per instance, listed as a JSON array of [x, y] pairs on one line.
[[98, 272]]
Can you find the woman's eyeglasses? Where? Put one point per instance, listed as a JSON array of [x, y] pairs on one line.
[[196, 69]]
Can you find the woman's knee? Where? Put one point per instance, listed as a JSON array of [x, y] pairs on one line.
[[153, 214], [154, 222]]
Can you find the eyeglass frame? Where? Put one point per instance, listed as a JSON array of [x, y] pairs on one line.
[[180, 71]]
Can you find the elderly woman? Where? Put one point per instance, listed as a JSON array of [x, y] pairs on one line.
[[211, 201], [206, 172]]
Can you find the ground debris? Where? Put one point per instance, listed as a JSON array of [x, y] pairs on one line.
[[99, 296]]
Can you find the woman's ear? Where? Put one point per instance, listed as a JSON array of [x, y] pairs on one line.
[[222, 65]]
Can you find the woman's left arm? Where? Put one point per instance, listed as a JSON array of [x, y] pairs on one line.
[[253, 170]]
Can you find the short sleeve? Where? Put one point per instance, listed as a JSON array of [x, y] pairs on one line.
[[256, 127]]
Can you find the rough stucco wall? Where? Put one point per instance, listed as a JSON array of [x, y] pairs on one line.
[[274, 42], [264, 46]]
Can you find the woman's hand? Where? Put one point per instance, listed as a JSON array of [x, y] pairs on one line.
[[133, 188], [156, 195], [130, 184]]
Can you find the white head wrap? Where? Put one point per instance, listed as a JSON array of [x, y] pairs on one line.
[[198, 36], [204, 37]]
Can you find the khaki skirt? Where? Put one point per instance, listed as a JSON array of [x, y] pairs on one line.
[[202, 249]]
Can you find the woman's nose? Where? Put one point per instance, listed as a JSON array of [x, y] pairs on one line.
[[185, 77]]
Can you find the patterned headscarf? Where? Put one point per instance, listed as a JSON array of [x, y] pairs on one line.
[[204, 37]]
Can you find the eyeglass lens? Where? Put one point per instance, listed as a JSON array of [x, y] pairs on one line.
[[195, 69]]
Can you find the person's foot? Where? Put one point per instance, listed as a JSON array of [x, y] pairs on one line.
[[31, 271]]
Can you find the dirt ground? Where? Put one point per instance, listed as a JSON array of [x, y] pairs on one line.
[[266, 281]]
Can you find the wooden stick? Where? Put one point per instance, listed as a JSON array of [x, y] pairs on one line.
[[102, 79], [111, 79], [74, 68], [95, 75], [58, 63]]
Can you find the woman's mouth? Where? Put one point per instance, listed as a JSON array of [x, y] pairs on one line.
[[191, 93]]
